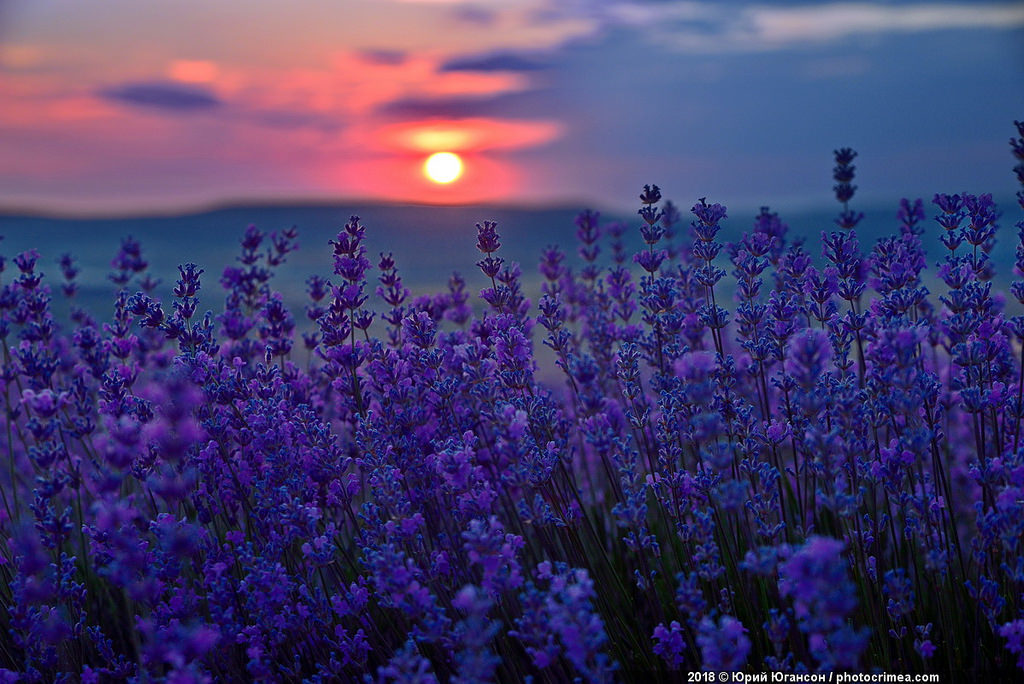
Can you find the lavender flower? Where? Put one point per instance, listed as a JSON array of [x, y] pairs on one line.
[[834, 457], [723, 646]]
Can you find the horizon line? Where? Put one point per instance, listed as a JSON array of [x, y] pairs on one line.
[[32, 210]]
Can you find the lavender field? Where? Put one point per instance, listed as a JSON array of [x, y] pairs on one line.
[[686, 455]]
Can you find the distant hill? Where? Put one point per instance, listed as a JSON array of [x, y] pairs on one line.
[[428, 241]]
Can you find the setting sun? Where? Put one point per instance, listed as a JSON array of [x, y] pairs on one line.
[[443, 167]]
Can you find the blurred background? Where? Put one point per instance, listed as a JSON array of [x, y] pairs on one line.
[[181, 122]]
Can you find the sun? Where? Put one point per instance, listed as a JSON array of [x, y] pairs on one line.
[[443, 167]]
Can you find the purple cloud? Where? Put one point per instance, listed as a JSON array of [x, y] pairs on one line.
[[456, 107], [287, 119], [500, 61], [169, 97], [383, 57], [478, 16]]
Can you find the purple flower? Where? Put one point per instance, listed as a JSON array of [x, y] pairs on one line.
[[723, 645], [669, 644], [650, 195], [495, 553], [407, 666], [1013, 632], [843, 174], [708, 217], [815, 577], [475, 660], [487, 237], [561, 621]]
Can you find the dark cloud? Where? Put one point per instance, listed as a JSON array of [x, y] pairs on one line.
[[419, 107], [170, 97], [499, 61], [383, 57], [454, 107], [176, 97]]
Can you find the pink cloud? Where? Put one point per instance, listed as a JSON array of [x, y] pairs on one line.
[[193, 70], [290, 104]]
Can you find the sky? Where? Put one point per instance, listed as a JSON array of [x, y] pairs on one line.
[[124, 106]]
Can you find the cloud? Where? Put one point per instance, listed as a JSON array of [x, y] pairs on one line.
[[459, 106], [383, 57], [704, 27], [499, 61], [476, 16], [170, 97], [193, 71], [188, 98], [23, 57], [286, 119], [818, 23]]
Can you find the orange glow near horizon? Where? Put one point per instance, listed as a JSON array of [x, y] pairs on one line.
[[401, 178], [392, 159], [467, 135]]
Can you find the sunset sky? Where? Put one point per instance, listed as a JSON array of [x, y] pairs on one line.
[[127, 105]]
